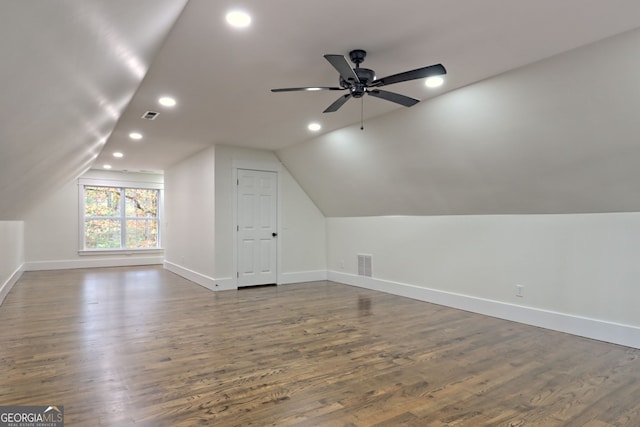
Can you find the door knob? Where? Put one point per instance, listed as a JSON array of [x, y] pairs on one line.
[[274, 234]]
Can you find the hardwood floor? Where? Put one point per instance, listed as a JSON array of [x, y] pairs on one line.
[[141, 346]]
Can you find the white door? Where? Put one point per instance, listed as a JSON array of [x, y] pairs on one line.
[[257, 227]]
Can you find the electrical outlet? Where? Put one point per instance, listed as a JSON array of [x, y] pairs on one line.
[[520, 291]]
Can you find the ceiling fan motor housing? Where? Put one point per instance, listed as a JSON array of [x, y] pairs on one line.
[[365, 76]]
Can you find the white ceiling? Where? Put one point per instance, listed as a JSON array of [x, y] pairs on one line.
[[68, 71], [221, 77], [79, 73], [558, 136]]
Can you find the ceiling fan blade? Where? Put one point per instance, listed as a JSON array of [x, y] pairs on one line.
[[340, 63], [393, 97], [420, 73], [339, 103], [308, 89]]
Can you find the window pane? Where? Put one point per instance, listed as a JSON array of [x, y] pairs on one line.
[[141, 202], [102, 201], [108, 226], [102, 234], [142, 233]]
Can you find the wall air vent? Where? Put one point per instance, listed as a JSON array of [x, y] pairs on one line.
[[150, 115], [364, 265]]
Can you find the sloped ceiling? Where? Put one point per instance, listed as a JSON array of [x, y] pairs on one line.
[[69, 69], [558, 136], [78, 75], [221, 77]]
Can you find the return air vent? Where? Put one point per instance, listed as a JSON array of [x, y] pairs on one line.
[[364, 265], [150, 115]]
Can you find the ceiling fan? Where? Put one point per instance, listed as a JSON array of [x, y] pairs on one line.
[[359, 81]]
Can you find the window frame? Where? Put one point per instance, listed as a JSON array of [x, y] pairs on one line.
[[123, 185]]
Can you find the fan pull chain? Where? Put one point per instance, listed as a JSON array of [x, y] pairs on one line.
[[362, 113]]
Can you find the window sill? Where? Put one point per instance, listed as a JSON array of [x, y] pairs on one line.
[[129, 252]]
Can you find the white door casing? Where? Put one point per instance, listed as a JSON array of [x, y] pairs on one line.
[[257, 227]]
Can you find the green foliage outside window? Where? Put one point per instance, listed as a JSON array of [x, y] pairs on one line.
[[111, 222]]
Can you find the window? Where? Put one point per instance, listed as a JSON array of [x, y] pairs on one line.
[[120, 218]]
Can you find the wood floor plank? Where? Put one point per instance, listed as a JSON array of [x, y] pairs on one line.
[[140, 346]]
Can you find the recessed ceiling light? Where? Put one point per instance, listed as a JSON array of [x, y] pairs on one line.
[[167, 101], [106, 166], [314, 127], [118, 155], [135, 135], [238, 19], [434, 81]]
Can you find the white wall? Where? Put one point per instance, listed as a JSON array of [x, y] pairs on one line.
[[190, 216], [226, 157], [11, 255], [302, 225], [52, 229], [302, 234], [580, 272]]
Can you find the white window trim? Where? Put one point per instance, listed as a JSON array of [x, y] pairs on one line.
[[82, 182], [120, 251]]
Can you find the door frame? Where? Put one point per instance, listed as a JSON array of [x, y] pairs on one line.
[[265, 167]]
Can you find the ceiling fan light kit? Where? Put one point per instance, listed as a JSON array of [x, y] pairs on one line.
[[360, 81]]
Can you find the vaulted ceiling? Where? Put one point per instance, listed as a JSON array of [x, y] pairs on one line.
[[558, 136], [501, 136], [69, 71]]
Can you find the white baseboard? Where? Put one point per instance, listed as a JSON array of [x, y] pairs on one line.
[[92, 263], [225, 284], [208, 282], [601, 330], [6, 287], [229, 283], [302, 276]]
